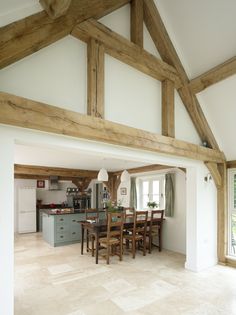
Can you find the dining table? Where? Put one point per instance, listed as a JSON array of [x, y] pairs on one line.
[[99, 226]]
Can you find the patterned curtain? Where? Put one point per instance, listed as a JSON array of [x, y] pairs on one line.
[[170, 195], [133, 193]]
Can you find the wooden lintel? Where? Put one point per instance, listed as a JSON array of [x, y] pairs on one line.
[[144, 169], [213, 168], [122, 49], [55, 8], [217, 74], [136, 19], [231, 164], [25, 113], [43, 172], [168, 108], [168, 53], [95, 77], [24, 37]]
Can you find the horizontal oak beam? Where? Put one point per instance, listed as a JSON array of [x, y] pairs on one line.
[[217, 74], [25, 113], [55, 8], [231, 164], [144, 169], [122, 49], [24, 37], [31, 170]]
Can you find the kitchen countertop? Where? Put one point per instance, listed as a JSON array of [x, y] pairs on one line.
[[64, 211]]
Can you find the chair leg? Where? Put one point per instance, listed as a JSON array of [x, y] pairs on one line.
[[92, 246], [144, 245], [87, 240], [121, 249], [108, 254], [150, 244], [160, 241], [133, 248]]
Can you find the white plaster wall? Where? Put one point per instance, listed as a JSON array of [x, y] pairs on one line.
[[55, 75]]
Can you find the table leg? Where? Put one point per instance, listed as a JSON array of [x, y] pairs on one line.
[[97, 247], [82, 239]]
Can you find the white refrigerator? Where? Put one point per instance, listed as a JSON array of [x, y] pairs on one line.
[[27, 210]]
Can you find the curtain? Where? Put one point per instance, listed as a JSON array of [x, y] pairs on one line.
[[133, 193], [170, 195]]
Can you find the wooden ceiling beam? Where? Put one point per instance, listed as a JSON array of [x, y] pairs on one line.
[[231, 164], [213, 168], [55, 8], [24, 37], [46, 171], [144, 169], [122, 49], [168, 53], [95, 78], [215, 75], [136, 18], [25, 113], [168, 108]]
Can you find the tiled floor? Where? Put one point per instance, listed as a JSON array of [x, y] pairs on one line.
[[59, 281]]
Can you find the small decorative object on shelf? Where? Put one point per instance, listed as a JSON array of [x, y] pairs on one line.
[[152, 204]]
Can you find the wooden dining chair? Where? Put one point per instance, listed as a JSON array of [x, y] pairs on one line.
[[155, 228], [113, 242], [93, 215], [138, 233]]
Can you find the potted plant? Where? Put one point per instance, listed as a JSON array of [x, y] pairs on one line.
[[152, 205], [114, 206]]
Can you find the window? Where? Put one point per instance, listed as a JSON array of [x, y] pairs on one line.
[[232, 213], [151, 189]]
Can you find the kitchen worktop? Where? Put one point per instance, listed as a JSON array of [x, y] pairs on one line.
[[64, 211]]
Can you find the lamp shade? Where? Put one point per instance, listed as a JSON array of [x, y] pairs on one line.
[[125, 176], [102, 175]]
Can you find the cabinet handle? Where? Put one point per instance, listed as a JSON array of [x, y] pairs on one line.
[[61, 236], [61, 219], [74, 233], [74, 220], [62, 228]]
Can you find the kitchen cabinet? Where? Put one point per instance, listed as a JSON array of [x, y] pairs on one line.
[[63, 229]]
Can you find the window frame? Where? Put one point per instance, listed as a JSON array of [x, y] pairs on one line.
[[231, 209], [150, 179]]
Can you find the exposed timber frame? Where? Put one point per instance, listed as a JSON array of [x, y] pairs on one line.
[[55, 8], [122, 49], [26, 113], [95, 78], [136, 21], [24, 37], [213, 76], [168, 108]]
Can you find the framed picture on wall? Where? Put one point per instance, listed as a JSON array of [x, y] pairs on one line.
[[123, 191], [40, 183]]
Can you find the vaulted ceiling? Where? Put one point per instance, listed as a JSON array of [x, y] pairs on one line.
[[203, 33]]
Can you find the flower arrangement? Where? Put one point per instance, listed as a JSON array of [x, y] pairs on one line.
[[152, 204], [114, 206]]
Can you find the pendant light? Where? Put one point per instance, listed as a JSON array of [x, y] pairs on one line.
[[102, 175], [125, 176]]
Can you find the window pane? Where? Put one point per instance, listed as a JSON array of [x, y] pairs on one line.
[[234, 188], [233, 235], [145, 200], [145, 188], [156, 198], [156, 187]]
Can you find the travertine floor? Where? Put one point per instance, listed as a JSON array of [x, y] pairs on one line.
[[59, 281]]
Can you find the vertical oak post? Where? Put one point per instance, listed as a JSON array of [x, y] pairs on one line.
[[168, 109], [137, 22], [95, 55]]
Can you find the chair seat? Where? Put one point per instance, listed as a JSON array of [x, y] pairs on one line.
[[111, 241], [136, 236]]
